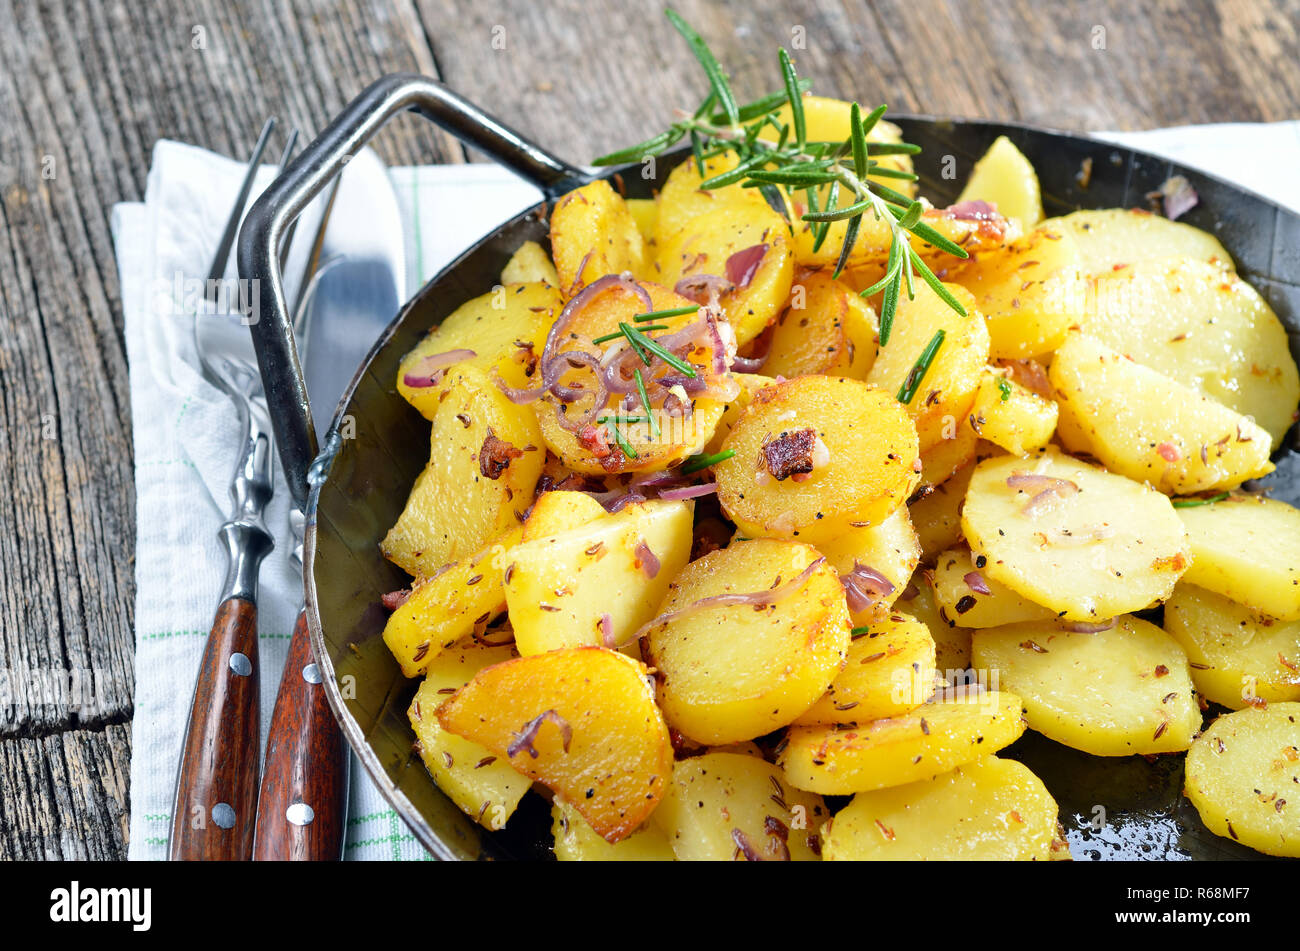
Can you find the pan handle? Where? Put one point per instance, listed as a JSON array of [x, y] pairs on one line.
[[264, 229]]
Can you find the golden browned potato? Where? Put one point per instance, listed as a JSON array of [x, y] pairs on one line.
[[1141, 424], [681, 200], [482, 785], [577, 841], [1238, 657], [593, 234], [1242, 775], [936, 516], [485, 456], [951, 642], [824, 328], [748, 383], [732, 668], [748, 249], [966, 594], [1248, 550], [889, 671], [729, 806], [932, 739], [499, 333], [1081, 541], [1005, 178], [815, 456], [890, 550], [582, 722], [1115, 692], [944, 395], [1110, 239], [1030, 293], [530, 263], [1011, 416], [988, 810]]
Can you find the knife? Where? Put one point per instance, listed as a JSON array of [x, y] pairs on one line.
[[303, 799]]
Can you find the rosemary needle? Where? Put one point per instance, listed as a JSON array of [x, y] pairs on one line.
[[643, 345], [1191, 503], [915, 375], [661, 314], [645, 401], [614, 336]]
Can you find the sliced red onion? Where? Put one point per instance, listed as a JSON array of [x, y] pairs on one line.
[[393, 600], [649, 560], [756, 599], [624, 500], [523, 740], [688, 492], [607, 630], [700, 288], [1086, 627], [743, 265], [1179, 197], [431, 369], [974, 210], [864, 586], [746, 847], [1031, 481], [975, 581], [717, 346]]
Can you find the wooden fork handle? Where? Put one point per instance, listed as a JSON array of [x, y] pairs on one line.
[[216, 790], [303, 801]]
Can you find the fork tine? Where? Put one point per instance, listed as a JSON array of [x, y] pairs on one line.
[[298, 312], [289, 148], [218, 269]]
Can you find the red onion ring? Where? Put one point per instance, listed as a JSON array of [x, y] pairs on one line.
[[743, 265], [524, 738], [701, 287], [431, 369], [864, 586], [688, 492], [649, 560]]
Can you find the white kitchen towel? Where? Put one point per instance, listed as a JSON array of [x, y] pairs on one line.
[[185, 431]]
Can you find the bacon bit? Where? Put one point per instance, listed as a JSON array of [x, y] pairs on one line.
[[523, 740], [790, 453], [887, 832], [495, 455], [1168, 452], [592, 438], [395, 599], [1033, 646]]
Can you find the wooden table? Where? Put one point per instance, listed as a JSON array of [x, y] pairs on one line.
[[87, 87]]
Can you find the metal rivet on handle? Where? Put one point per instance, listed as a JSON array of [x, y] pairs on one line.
[[300, 814], [223, 815], [311, 674], [240, 664]]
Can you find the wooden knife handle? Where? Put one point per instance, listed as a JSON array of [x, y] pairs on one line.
[[216, 790], [303, 802]]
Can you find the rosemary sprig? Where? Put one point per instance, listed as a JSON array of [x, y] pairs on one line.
[[696, 463], [912, 381], [771, 154]]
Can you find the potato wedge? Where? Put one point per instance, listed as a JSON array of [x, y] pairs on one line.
[[448, 607], [1118, 237], [1081, 541], [1030, 293], [728, 806], [645, 212], [870, 465], [889, 671], [1011, 416], [729, 672], [483, 786], [960, 590], [593, 234], [678, 436], [1248, 550], [484, 461], [1116, 692], [558, 511], [1242, 774], [1141, 424], [582, 722], [947, 390], [890, 548], [530, 264], [957, 450], [1205, 328], [1005, 178], [936, 516], [597, 583], [719, 244], [1238, 657], [824, 327], [932, 739], [577, 841], [988, 810], [504, 329]]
